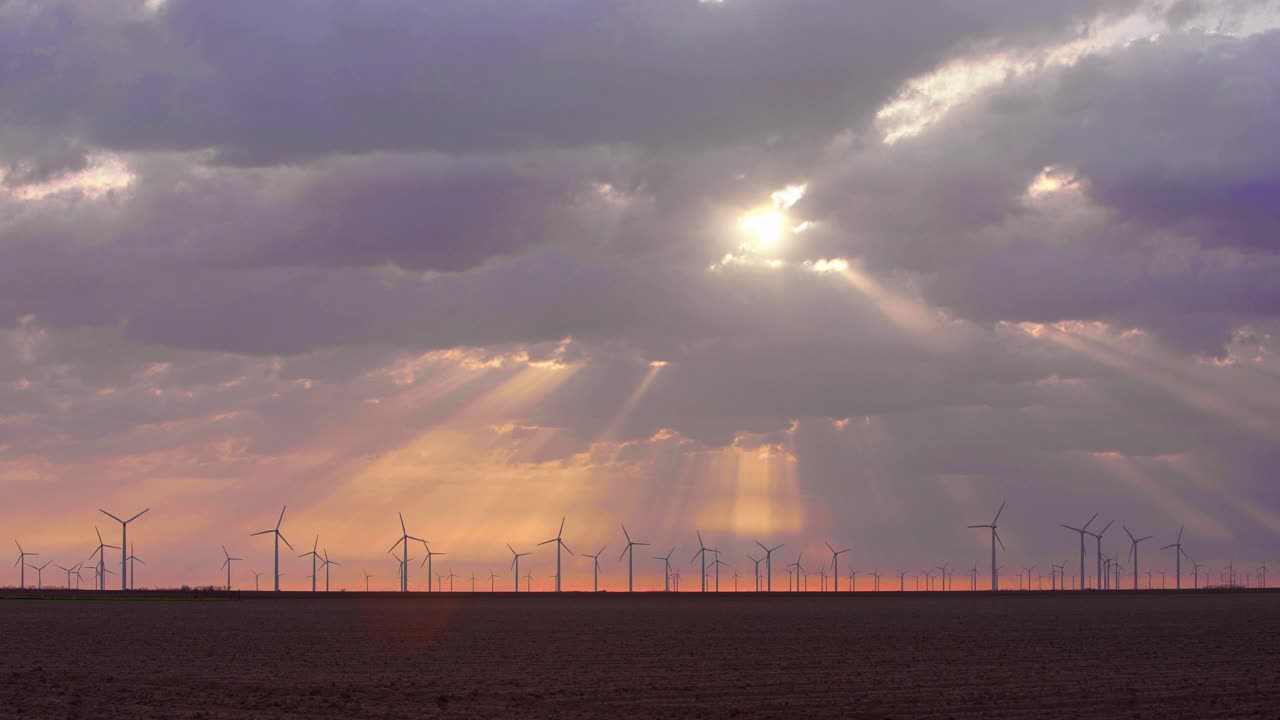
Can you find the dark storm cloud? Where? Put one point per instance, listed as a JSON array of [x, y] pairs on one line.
[[265, 82]]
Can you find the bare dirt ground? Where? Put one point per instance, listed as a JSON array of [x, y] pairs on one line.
[[915, 656]]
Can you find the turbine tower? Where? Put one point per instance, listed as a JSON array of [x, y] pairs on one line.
[[1133, 554], [666, 569], [1098, 536], [278, 537], [702, 553], [1081, 530], [559, 541], [631, 558], [124, 543], [515, 564], [428, 562], [327, 562], [595, 569], [227, 564], [314, 557], [1177, 555], [757, 562], [101, 568], [132, 559], [995, 538], [768, 565], [835, 564], [405, 537], [21, 564]]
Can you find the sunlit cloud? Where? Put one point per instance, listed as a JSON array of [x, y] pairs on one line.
[[106, 173]]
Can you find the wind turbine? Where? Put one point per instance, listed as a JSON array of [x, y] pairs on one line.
[[716, 565], [102, 559], [757, 562], [405, 537], [559, 541], [595, 569], [40, 572], [227, 564], [799, 566], [74, 569], [124, 543], [278, 537], [451, 576], [21, 564], [676, 576], [473, 582], [132, 559], [1098, 536], [835, 563], [1133, 553], [314, 556], [902, 580], [366, 579], [493, 576], [1082, 530], [702, 552], [995, 538], [515, 564], [735, 579], [666, 569], [768, 565], [631, 559], [943, 569], [1059, 571], [427, 561], [1029, 569], [325, 565], [256, 574], [528, 581], [1177, 555]]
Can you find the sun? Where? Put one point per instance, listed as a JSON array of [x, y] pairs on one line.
[[765, 227]]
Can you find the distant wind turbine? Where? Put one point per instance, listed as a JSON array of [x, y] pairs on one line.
[[515, 564], [768, 564], [1133, 553], [276, 556], [428, 562], [40, 573], [595, 569], [835, 564], [631, 558], [559, 541], [21, 564], [1177, 555], [666, 569], [702, 553], [124, 543], [757, 562], [256, 574], [327, 562], [73, 569], [314, 555], [133, 559], [366, 579], [1082, 531], [995, 538], [1098, 536], [227, 564], [101, 569], [403, 544]]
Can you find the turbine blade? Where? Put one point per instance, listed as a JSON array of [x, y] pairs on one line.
[[113, 517], [135, 517], [561, 530], [997, 536], [1095, 517], [993, 522], [403, 530], [282, 537], [282, 509]]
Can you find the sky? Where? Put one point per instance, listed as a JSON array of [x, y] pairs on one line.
[[801, 271]]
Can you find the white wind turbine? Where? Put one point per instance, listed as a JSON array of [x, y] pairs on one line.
[[275, 531], [73, 569], [1082, 531], [1133, 555], [559, 541], [21, 564], [428, 562], [702, 553], [366, 579], [133, 559], [256, 574], [325, 564], [101, 569], [227, 564], [666, 569], [716, 564], [124, 543], [768, 564], [1177, 555], [39, 572], [595, 569], [314, 555], [493, 576], [1098, 536], [515, 564], [403, 543], [631, 558], [757, 562], [835, 564], [995, 538]]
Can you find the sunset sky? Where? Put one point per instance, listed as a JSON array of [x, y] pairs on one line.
[[794, 270]]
